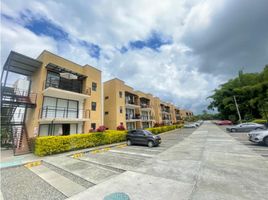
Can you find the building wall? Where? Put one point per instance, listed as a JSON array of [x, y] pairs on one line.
[[185, 113], [37, 87]]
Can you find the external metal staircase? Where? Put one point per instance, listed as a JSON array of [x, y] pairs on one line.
[[13, 125]]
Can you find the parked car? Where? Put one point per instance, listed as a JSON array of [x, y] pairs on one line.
[[143, 137], [245, 127], [259, 136], [190, 126], [224, 122]]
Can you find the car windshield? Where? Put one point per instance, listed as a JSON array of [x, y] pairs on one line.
[[147, 132]]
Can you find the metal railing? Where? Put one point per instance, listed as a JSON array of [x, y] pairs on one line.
[[69, 86], [146, 118], [145, 106], [133, 117], [14, 94], [62, 112]]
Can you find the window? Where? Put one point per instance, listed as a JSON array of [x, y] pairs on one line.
[[93, 106], [107, 97], [94, 86], [106, 113], [93, 126], [120, 94], [121, 109], [59, 108]]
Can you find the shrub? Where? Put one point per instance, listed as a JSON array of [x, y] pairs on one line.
[[260, 121], [161, 129], [48, 145], [101, 129], [120, 127]]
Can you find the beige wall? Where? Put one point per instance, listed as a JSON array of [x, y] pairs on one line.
[[185, 113], [113, 103], [39, 77]]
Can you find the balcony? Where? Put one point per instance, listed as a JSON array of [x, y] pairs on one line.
[[147, 118], [131, 100], [50, 113], [56, 88], [136, 117], [146, 107]]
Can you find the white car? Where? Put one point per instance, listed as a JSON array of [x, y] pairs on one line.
[[190, 126], [259, 136]]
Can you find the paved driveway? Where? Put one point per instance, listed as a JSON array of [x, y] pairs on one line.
[[242, 137], [209, 164], [61, 176]]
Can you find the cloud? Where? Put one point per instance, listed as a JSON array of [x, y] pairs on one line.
[[227, 36], [177, 50]]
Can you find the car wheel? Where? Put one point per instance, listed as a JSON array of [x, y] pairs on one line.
[[233, 130], [258, 129], [129, 142], [266, 141], [150, 144]]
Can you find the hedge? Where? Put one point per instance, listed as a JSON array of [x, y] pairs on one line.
[[260, 121], [48, 145], [161, 129]]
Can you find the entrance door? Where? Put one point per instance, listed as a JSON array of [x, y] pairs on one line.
[[65, 129]]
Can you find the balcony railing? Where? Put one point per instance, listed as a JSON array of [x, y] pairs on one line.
[[133, 117], [69, 86], [52, 112], [145, 106], [146, 118], [14, 94]]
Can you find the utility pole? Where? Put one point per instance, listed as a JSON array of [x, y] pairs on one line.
[[238, 112]]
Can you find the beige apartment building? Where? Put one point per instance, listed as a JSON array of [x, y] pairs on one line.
[[185, 113], [61, 98], [135, 109], [123, 105]]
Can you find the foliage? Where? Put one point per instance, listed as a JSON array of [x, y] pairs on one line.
[[260, 121], [161, 129], [120, 127], [48, 145], [251, 92], [101, 129]]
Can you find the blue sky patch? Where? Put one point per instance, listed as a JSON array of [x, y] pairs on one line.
[[42, 26], [123, 49], [155, 41], [92, 49]]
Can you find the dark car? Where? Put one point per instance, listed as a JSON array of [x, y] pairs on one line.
[[143, 137]]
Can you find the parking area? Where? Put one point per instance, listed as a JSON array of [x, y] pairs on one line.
[[242, 137], [80, 171]]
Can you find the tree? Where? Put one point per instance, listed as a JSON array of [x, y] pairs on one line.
[[251, 91]]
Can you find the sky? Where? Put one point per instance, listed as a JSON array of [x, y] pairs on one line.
[[178, 50]]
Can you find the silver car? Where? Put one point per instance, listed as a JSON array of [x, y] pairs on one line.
[[245, 127], [259, 136]]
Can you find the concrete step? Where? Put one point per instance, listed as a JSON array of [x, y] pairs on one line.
[[61, 183]]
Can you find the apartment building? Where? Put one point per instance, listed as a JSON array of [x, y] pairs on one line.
[[62, 97], [185, 113], [123, 105], [147, 111], [177, 114]]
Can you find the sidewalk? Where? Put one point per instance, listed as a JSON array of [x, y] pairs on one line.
[[208, 165]]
